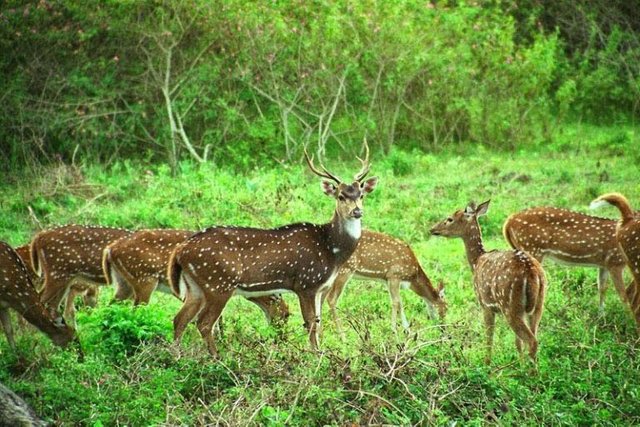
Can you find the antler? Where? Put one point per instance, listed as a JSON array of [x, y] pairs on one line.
[[325, 174], [365, 163]]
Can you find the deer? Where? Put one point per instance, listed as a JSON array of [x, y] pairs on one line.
[[571, 238], [509, 282], [213, 265], [383, 257], [69, 255], [89, 293], [18, 293], [137, 265], [628, 238]]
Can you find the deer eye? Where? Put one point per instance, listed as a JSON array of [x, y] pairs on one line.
[[449, 220], [341, 198]]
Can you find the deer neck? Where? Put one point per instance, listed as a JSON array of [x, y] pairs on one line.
[[473, 246], [39, 317], [344, 235]]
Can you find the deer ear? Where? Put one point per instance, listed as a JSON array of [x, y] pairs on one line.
[[369, 185], [328, 188], [59, 322], [470, 210], [441, 290], [483, 208]]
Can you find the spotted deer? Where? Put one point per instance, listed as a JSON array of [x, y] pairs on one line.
[[88, 292], [212, 265], [571, 238], [18, 293], [137, 265], [508, 282], [69, 255], [628, 238], [380, 256]]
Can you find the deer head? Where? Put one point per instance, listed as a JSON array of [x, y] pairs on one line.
[[462, 222], [348, 196]]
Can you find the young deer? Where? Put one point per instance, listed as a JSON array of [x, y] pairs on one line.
[[572, 238], [219, 262], [69, 255], [628, 238], [380, 256], [507, 282], [137, 264], [88, 292], [17, 292]]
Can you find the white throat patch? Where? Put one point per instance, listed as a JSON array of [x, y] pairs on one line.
[[353, 227]]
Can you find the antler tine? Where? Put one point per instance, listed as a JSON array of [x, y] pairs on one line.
[[325, 174], [365, 163]]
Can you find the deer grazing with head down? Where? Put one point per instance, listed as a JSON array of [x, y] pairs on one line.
[[88, 292], [137, 265], [380, 256], [628, 238], [70, 255], [572, 238], [18, 292], [213, 265], [507, 282]]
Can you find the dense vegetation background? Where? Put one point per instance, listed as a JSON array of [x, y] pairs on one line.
[[190, 113]]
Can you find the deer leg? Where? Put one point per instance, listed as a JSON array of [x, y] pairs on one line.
[[618, 281], [69, 306], [396, 304], [333, 295], [311, 319], [5, 319], [209, 317], [603, 276], [124, 290], [489, 325], [143, 290], [190, 309], [55, 290]]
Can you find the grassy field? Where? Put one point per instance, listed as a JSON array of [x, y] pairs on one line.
[[588, 364]]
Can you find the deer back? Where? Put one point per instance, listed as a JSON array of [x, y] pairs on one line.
[[144, 253], [72, 250], [564, 235]]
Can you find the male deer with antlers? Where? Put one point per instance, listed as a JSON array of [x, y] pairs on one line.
[[572, 238], [380, 256], [628, 238], [17, 292], [137, 264], [507, 282], [70, 254], [219, 262]]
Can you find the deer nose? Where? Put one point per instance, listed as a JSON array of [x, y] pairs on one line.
[[357, 213]]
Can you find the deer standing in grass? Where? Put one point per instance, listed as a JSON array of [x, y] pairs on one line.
[[213, 265], [88, 292], [137, 264], [18, 292], [69, 255], [507, 282], [570, 237], [380, 256], [628, 238]]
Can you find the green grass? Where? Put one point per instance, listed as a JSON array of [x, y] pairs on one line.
[[588, 364]]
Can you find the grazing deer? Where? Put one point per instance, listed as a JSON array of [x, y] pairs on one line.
[[507, 282], [379, 256], [219, 262], [70, 255], [572, 238], [137, 264], [17, 292], [88, 292], [628, 238]]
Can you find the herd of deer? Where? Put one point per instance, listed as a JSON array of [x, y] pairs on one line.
[[205, 269]]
